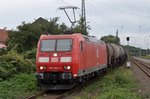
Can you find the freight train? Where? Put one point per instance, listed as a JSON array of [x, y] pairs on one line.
[[64, 61]]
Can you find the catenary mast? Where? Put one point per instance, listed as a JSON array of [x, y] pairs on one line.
[[83, 18]]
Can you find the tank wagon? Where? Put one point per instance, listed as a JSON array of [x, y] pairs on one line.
[[116, 55], [63, 61]]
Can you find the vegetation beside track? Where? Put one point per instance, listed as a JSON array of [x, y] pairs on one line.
[[13, 63], [146, 57], [118, 84], [17, 74], [18, 87]]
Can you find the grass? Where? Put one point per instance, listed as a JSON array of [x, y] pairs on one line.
[[18, 87], [146, 57], [118, 84]]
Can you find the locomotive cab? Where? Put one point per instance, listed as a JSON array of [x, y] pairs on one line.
[[54, 60]]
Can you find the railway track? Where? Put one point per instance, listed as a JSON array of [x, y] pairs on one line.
[[62, 94], [49, 95], [143, 66]]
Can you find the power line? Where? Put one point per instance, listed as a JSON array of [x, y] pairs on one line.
[[88, 19], [99, 25], [65, 2], [102, 15], [121, 10]]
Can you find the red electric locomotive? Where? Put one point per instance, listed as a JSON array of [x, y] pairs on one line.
[[62, 61]]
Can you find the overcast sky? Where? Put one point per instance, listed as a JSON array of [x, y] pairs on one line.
[[130, 17]]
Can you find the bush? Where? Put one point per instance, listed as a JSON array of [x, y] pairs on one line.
[[3, 51], [13, 63], [30, 54]]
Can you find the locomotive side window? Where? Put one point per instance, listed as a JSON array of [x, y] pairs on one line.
[[48, 45], [64, 45]]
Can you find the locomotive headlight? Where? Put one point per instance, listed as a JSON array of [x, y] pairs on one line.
[[42, 67], [67, 67], [55, 54]]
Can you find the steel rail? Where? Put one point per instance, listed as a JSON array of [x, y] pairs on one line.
[[144, 64], [37, 95], [135, 61]]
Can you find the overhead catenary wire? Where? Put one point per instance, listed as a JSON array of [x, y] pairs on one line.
[[97, 24], [92, 6], [124, 28], [65, 2], [125, 11], [115, 8], [122, 10]]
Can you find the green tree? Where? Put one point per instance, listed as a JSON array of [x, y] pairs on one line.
[[27, 35], [110, 39], [79, 28]]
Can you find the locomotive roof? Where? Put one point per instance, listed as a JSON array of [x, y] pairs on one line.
[[87, 38]]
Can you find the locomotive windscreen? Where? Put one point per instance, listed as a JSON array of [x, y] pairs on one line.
[[56, 45]]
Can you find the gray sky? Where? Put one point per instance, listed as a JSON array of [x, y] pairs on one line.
[[130, 17]]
